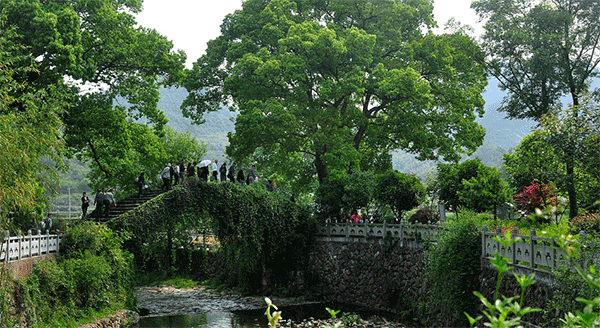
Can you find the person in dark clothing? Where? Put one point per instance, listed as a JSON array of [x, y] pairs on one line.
[[141, 182], [240, 177], [223, 171], [173, 176], [203, 173], [191, 169], [270, 186], [231, 173], [99, 202], [182, 169], [85, 203], [109, 200]]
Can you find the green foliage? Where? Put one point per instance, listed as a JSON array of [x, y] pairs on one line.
[[257, 230], [532, 160], [588, 223], [92, 279], [29, 129], [105, 69], [452, 272], [341, 195], [424, 216], [451, 183], [317, 91], [401, 192], [540, 52], [484, 191], [505, 312], [570, 286], [328, 197]]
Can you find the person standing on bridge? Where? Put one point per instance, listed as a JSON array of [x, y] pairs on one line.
[[85, 203], [166, 177], [240, 177], [182, 169], [109, 200], [223, 171], [231, 173], [99, 202]]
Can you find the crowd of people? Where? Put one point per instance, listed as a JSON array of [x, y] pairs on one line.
[[206, 170], [172, 174]]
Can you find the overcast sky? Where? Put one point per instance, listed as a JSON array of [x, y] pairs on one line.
[[190, 24]]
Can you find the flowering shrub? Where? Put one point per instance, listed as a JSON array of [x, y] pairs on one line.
[[536, 196], [589, 223], [356, 218]]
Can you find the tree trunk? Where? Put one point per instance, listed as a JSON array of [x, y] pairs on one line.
[[321, 169]]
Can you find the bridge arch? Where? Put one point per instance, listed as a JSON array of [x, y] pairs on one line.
[[258, 230]]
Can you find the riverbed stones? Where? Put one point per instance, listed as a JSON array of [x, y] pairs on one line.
[[170, 301]]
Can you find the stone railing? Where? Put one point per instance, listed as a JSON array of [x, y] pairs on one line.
[[405, 234], [531, 254], [22, 247]]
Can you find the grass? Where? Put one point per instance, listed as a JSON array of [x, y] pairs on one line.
[[161, 279]]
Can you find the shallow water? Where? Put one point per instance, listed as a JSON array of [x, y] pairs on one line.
[[248, 318]]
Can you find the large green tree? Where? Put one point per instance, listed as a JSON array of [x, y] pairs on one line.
[[540, 52], [111, 70], [336, 85], [29, 131]]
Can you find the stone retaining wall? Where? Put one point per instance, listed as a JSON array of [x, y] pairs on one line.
[[22, 268], [379, 276], [390, 277]]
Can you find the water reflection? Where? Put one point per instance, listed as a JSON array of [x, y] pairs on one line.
[[203, 320]]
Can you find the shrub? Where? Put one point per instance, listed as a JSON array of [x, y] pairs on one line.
[[536, 195], [424, 216], [452, 273], [589, 223], [399, 191]]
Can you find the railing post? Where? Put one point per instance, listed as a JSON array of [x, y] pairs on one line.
[[20, 236], [347, 230], [532, 243], [366, 229], [401, 234], [499, 233], [29, 237], [47, 241], [6, 245], [515, 232], [483, 240], [384, 229]]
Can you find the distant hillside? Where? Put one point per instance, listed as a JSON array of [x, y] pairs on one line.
[[501, 134], [213, 132]]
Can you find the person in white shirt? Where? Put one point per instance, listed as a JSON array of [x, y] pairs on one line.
[[215, 170]]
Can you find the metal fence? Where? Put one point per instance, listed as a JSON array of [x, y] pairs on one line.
[[22, 247]]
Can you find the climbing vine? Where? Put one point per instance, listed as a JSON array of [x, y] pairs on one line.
[[260, 232]]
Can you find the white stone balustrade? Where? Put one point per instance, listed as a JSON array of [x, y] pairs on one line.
[[22, 247]]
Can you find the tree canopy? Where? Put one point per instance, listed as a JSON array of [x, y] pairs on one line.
[[337, 85], [541, 51], [108, 70], [29, 131]]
